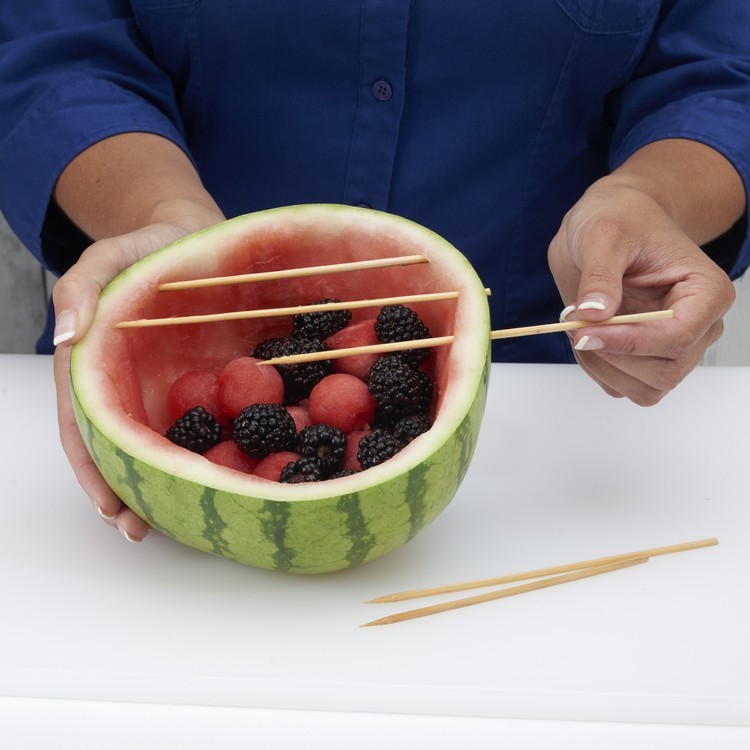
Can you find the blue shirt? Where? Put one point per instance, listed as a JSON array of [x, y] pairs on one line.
[[484, 121]]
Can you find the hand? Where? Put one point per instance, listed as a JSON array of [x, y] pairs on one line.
[[75, 297], [617, 252]]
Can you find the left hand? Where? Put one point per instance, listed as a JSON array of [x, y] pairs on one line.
[[617, 252]]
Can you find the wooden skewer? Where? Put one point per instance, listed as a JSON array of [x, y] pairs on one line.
[[280, 311], [503, 593], [291, 273], [571, 325], [443, 340], [394, 346], [543, 572]]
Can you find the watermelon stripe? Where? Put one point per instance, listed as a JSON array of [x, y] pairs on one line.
[[214, 524], [273, 522], [90, 443], [415, 499], [133, 480], [362, 539]]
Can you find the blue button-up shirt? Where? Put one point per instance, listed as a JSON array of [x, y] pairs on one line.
[[484, 121]]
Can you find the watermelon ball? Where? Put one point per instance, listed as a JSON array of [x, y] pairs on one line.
[[342, 401], [356, 334], [195, 388], [242, 383], [227, 453], [270, 467], [301, 415]]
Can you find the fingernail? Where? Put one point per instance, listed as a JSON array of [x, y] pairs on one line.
[[589, 343], [566, 311], [65, 327], [104, 515], [592, 304], [131, 539]]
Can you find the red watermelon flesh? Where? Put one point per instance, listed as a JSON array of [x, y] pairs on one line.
[[195, 388], [242, 382], [228, 454], [270, 467], [144, 362], [361, 333], [342, 401]]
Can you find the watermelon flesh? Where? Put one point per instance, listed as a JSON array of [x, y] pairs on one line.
[[121, 380]]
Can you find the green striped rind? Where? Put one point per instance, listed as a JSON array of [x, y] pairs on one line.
[[300, 537], [202, 506]]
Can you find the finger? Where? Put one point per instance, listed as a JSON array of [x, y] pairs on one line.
[[617, 382], [88, 476], [109, 506], [698, 305], [645, 380], [133, 528], [76, 293], [602, 269]]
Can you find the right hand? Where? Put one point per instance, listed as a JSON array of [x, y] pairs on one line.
[[75, 297]]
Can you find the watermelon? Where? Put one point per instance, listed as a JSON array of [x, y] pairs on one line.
[[120, 378]]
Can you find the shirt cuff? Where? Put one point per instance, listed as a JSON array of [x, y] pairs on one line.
[[78, 114], [717, 123]]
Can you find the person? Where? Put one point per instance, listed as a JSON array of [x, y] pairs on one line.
[[586, 154]]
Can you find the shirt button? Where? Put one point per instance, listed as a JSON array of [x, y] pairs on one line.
[[382, 90]]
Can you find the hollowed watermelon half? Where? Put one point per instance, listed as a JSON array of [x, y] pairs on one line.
[[120, 378]]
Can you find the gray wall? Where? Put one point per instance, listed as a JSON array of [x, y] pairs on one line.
[[24, 289], [23, 294]]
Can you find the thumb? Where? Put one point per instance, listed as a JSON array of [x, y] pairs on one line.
[[76, 293], [600, 285]]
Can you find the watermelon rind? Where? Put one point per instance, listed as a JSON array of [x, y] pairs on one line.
[[311, 528]]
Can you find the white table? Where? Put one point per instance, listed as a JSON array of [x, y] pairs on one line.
[[155, 645]]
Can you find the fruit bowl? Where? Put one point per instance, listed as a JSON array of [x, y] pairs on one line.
[[121, 377]]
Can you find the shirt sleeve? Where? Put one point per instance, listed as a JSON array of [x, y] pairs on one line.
[[694, 82], [71, 74]]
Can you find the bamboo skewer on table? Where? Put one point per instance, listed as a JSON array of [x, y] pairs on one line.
[[504, 593], [551, 576], [542, 572]]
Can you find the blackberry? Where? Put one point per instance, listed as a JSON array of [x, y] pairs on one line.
[[406, 429], [323, 442], [342, 473], [375, 447], [427, 389], [299, 379], [197, 430], [401, 323], [262, 429], [269, 348], [398, 390], [320, 325], [305, 469]]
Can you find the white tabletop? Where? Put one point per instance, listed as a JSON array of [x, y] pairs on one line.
[[117, 633]]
